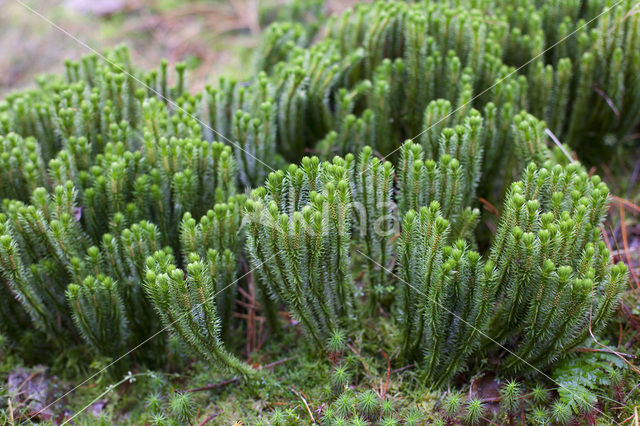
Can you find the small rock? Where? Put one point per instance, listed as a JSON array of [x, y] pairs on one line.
[[31, 388], [98, 407]]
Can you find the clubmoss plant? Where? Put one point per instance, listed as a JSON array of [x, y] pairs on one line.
[[122, 210], [188, 306], [94, 303], [474, 411], [511, 394]]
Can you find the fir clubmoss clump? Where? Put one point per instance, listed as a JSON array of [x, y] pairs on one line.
[[299, 234], [188, 306], [122, 218], [546, 279], [526, 293]]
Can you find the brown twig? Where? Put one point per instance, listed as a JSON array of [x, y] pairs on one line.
[[626, 203], [620, 335], [606, 351], [217, 385], [263, 336], [630, 392], [252, 336], [246, 305], [634, 417], [386, 382], [27, 380], [243, 292], [489, 207], [394, 238], [276, 363], [210, 417], [260, 332], [608, 100], [625, 244], [489, 421], [246, 316], [493, 399], [304, 400], [627, 419], [406, 367], [360, 357]]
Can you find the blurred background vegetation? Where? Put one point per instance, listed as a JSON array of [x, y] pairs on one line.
[[213, 37]]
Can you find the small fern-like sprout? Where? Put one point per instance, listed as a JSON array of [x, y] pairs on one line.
[[615, 376], [358, 420], [585, 400], [182, 407], [540, 416], [278, 417], [413, 417], [292, 417], [339, 421], [540, 394], [160, 419], [474, 411], [337, 341], [368, 404], [328, 414], [387, 408], [345, 404], [561, 412], [453, 404], [340, 377], [511, 394], [154, 402], [438, 421]]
